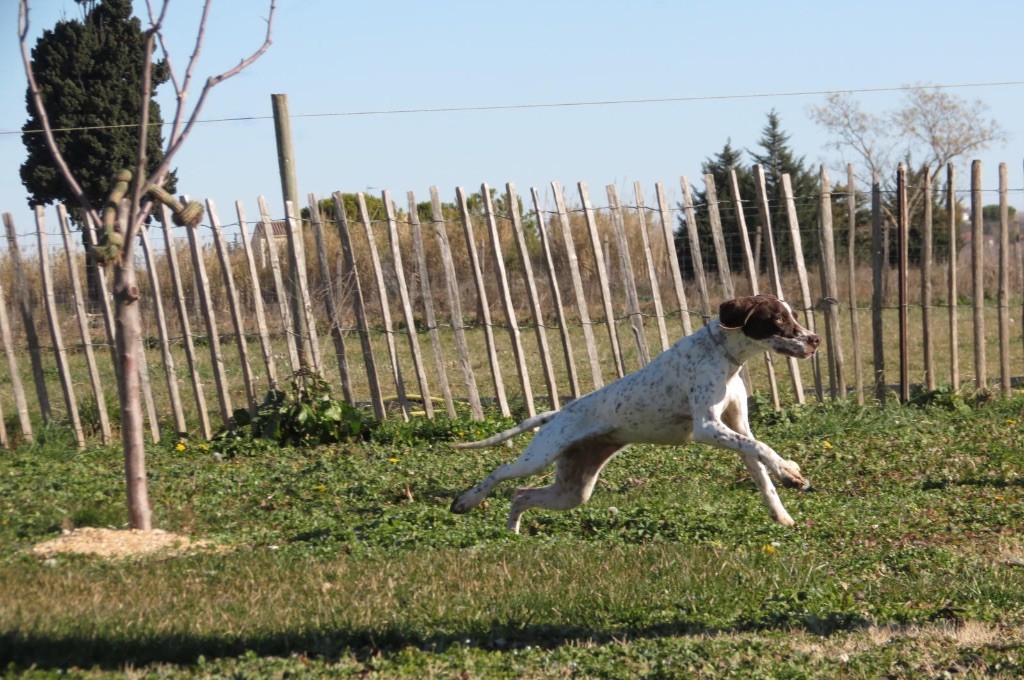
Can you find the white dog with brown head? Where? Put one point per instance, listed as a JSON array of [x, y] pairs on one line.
[[693, 390]]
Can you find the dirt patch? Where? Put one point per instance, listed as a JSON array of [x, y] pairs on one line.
[[117, 544]]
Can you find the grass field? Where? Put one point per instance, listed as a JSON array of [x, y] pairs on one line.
[[907, 559]]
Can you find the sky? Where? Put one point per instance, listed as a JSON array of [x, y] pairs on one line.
[[730, 63]]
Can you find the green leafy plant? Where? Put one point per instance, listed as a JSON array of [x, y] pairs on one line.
[[305, 415]]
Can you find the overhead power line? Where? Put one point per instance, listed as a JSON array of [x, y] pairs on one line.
[[558, 105]]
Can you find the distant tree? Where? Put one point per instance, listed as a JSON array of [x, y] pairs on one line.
[[777, 157], [89, 72], [932, 128], [990, 213], [719, 166]]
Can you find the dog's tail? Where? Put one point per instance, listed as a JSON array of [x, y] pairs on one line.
[[528, 424]]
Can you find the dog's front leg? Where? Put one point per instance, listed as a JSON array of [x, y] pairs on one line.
[[710, 430]]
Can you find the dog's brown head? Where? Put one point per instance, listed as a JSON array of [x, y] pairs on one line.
[[770, 321]]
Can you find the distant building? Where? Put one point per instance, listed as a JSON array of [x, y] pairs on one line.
[[279, 229]]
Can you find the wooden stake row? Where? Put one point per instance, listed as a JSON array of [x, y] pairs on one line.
[[489, 269]]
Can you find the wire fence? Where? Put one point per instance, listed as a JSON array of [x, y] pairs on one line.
[[493, 299]]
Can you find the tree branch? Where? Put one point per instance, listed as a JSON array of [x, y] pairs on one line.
[[156, 26], [136, 212], [178, 138]]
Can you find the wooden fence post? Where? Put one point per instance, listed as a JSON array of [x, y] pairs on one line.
[[602, 276], [636, 320], [978, 276], [24, 302], [556, 296], [722, 256], [718, 238], [953, 292], [696, 257], [403, 296], [667, 231], [531, 291], [309, 344], [428, 305], [801, 273], [455, 305], [180, 426], [577, 281], [15, 371], [878, 264], [903, 243], [60, 354], [506, 299], [652, 270], [485, 307], [1004, 285], [83, 326], [345, 237], [926, 285], [851, 212], [773, 267], [385, 307], [234, 307], [830, 290], [340, 353], [186, 330], [751, 267], [280, 292], [210, 318], [257, 299]]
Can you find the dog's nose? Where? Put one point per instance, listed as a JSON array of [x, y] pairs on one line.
[[813, 339]]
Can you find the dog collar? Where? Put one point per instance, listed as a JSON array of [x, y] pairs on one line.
[[720, 342]]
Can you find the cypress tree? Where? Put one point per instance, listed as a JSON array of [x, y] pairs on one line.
[[90, 74]]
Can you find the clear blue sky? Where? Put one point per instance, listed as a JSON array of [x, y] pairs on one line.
[[336, 56]]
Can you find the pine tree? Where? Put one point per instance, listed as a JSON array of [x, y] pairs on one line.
[[719, 166], [778, 159]]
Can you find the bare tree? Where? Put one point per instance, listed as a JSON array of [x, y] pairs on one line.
[[133, 197], [930, 130]]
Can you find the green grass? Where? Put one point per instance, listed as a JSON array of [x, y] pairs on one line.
[[344, 560]]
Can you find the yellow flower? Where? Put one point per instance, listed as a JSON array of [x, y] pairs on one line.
[[179, 447], [827, 444], [1011, 421], [204, 447], [768, 548], [392, 460]]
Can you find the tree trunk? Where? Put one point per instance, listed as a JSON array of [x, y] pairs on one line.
[[129, 344]]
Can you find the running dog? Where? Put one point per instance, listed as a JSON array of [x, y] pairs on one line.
[[693, 390]]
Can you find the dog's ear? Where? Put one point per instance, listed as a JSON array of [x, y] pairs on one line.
[[735, 313]]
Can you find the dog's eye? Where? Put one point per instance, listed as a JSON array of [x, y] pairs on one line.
[[780, 321]]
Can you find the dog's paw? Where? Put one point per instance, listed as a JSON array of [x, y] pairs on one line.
[[785, 520], [461, 505], [789, 474]]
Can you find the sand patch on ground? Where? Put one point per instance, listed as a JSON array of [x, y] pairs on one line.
[[117, 544]]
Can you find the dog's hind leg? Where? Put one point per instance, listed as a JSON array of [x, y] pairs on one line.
[[575, 477], [541, 453]]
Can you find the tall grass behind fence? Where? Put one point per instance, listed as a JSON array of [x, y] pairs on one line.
[[416, 306]]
